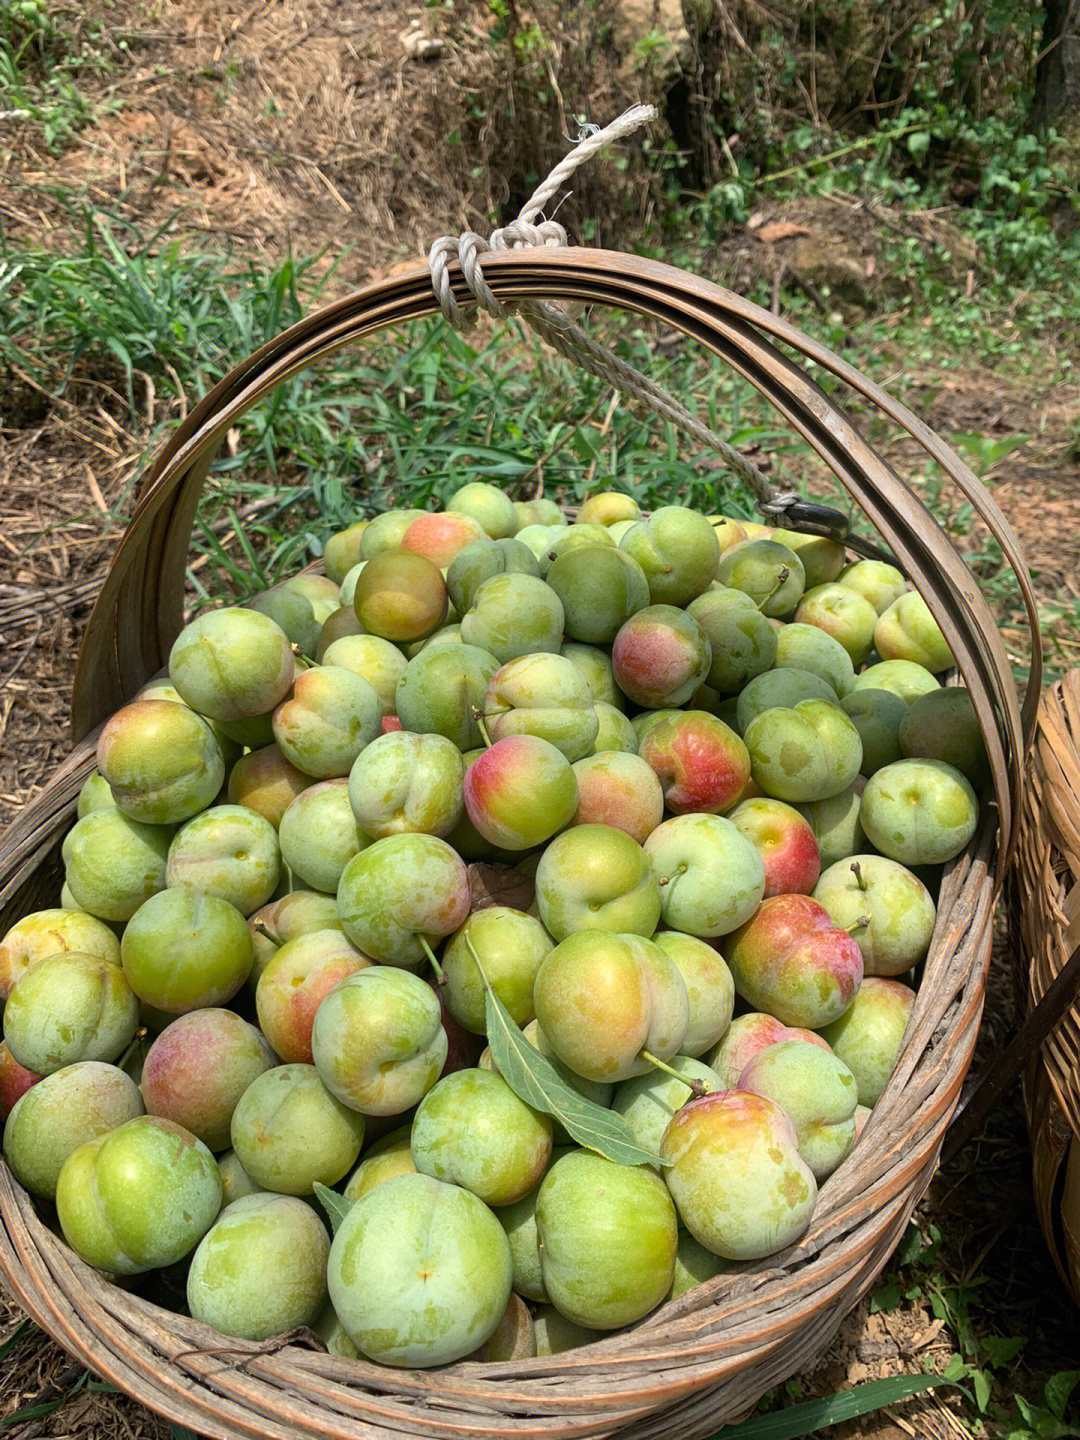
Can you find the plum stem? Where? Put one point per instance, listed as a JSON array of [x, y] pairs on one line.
[[697, 1086], [856, 870], [478, 716], [440, 976], [261, 928], [781, 579]]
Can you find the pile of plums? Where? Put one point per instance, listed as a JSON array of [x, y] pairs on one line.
[[675, 792]]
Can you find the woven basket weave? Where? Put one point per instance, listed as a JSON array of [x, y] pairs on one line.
[[1044, 895], [708, 1356]]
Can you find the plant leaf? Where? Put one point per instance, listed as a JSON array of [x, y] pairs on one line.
[[335, 1205], [814, 1415], [1058, 1389], [534, 1079]]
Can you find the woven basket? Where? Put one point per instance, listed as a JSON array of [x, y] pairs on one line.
[[708, 1356], [1044, 895]]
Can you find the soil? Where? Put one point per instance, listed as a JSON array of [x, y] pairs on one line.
[[311, 124]]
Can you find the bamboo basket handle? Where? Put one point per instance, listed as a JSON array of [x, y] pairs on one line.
[[140, 609]]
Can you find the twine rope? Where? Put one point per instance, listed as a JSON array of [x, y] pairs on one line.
[[558, 326]]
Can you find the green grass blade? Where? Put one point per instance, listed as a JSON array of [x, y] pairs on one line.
[[811, 1416], [14, 1338]]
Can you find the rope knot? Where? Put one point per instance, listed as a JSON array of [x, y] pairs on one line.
[[557, 323]]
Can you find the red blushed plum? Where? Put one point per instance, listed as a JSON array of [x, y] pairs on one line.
[[746, 1037], [791, 961], [660, 657], [784, 840], [439, 537], [267, 783], [620, 790], [15, 1080], [735, 1173], [197, 1069], [294, 984], [702, 765], [520, 792]]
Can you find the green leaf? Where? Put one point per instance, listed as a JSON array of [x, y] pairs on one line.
[[981, 1381], [814, 1415], [918, 144], [335, 1205], [1058, 1389], [534, 1079], [999, 1350]]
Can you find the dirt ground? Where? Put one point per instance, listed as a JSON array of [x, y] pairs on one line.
[[310, 123]]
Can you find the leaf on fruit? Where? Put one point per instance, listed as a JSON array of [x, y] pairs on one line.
[[534, 1079], [491, 885], [335, 1205]]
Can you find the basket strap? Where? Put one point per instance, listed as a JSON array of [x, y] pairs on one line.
[[557, 325], [139, 611]]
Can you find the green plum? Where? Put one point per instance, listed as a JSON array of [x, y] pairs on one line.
[[319, 834], [257, 1237], [416, 1225], [233, 663], [472, 1130], [404, 782], [114, 864], [183, 950], [289, 1132], [378, 1041], [139, 1198], [228, 851], [919, 812], [401, 894], [442, 692], [513, 615], [63, 1111], [608, 1239], [510, 947]]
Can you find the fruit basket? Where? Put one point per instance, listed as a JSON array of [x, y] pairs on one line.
[[705, 1358], [1045, 929]]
